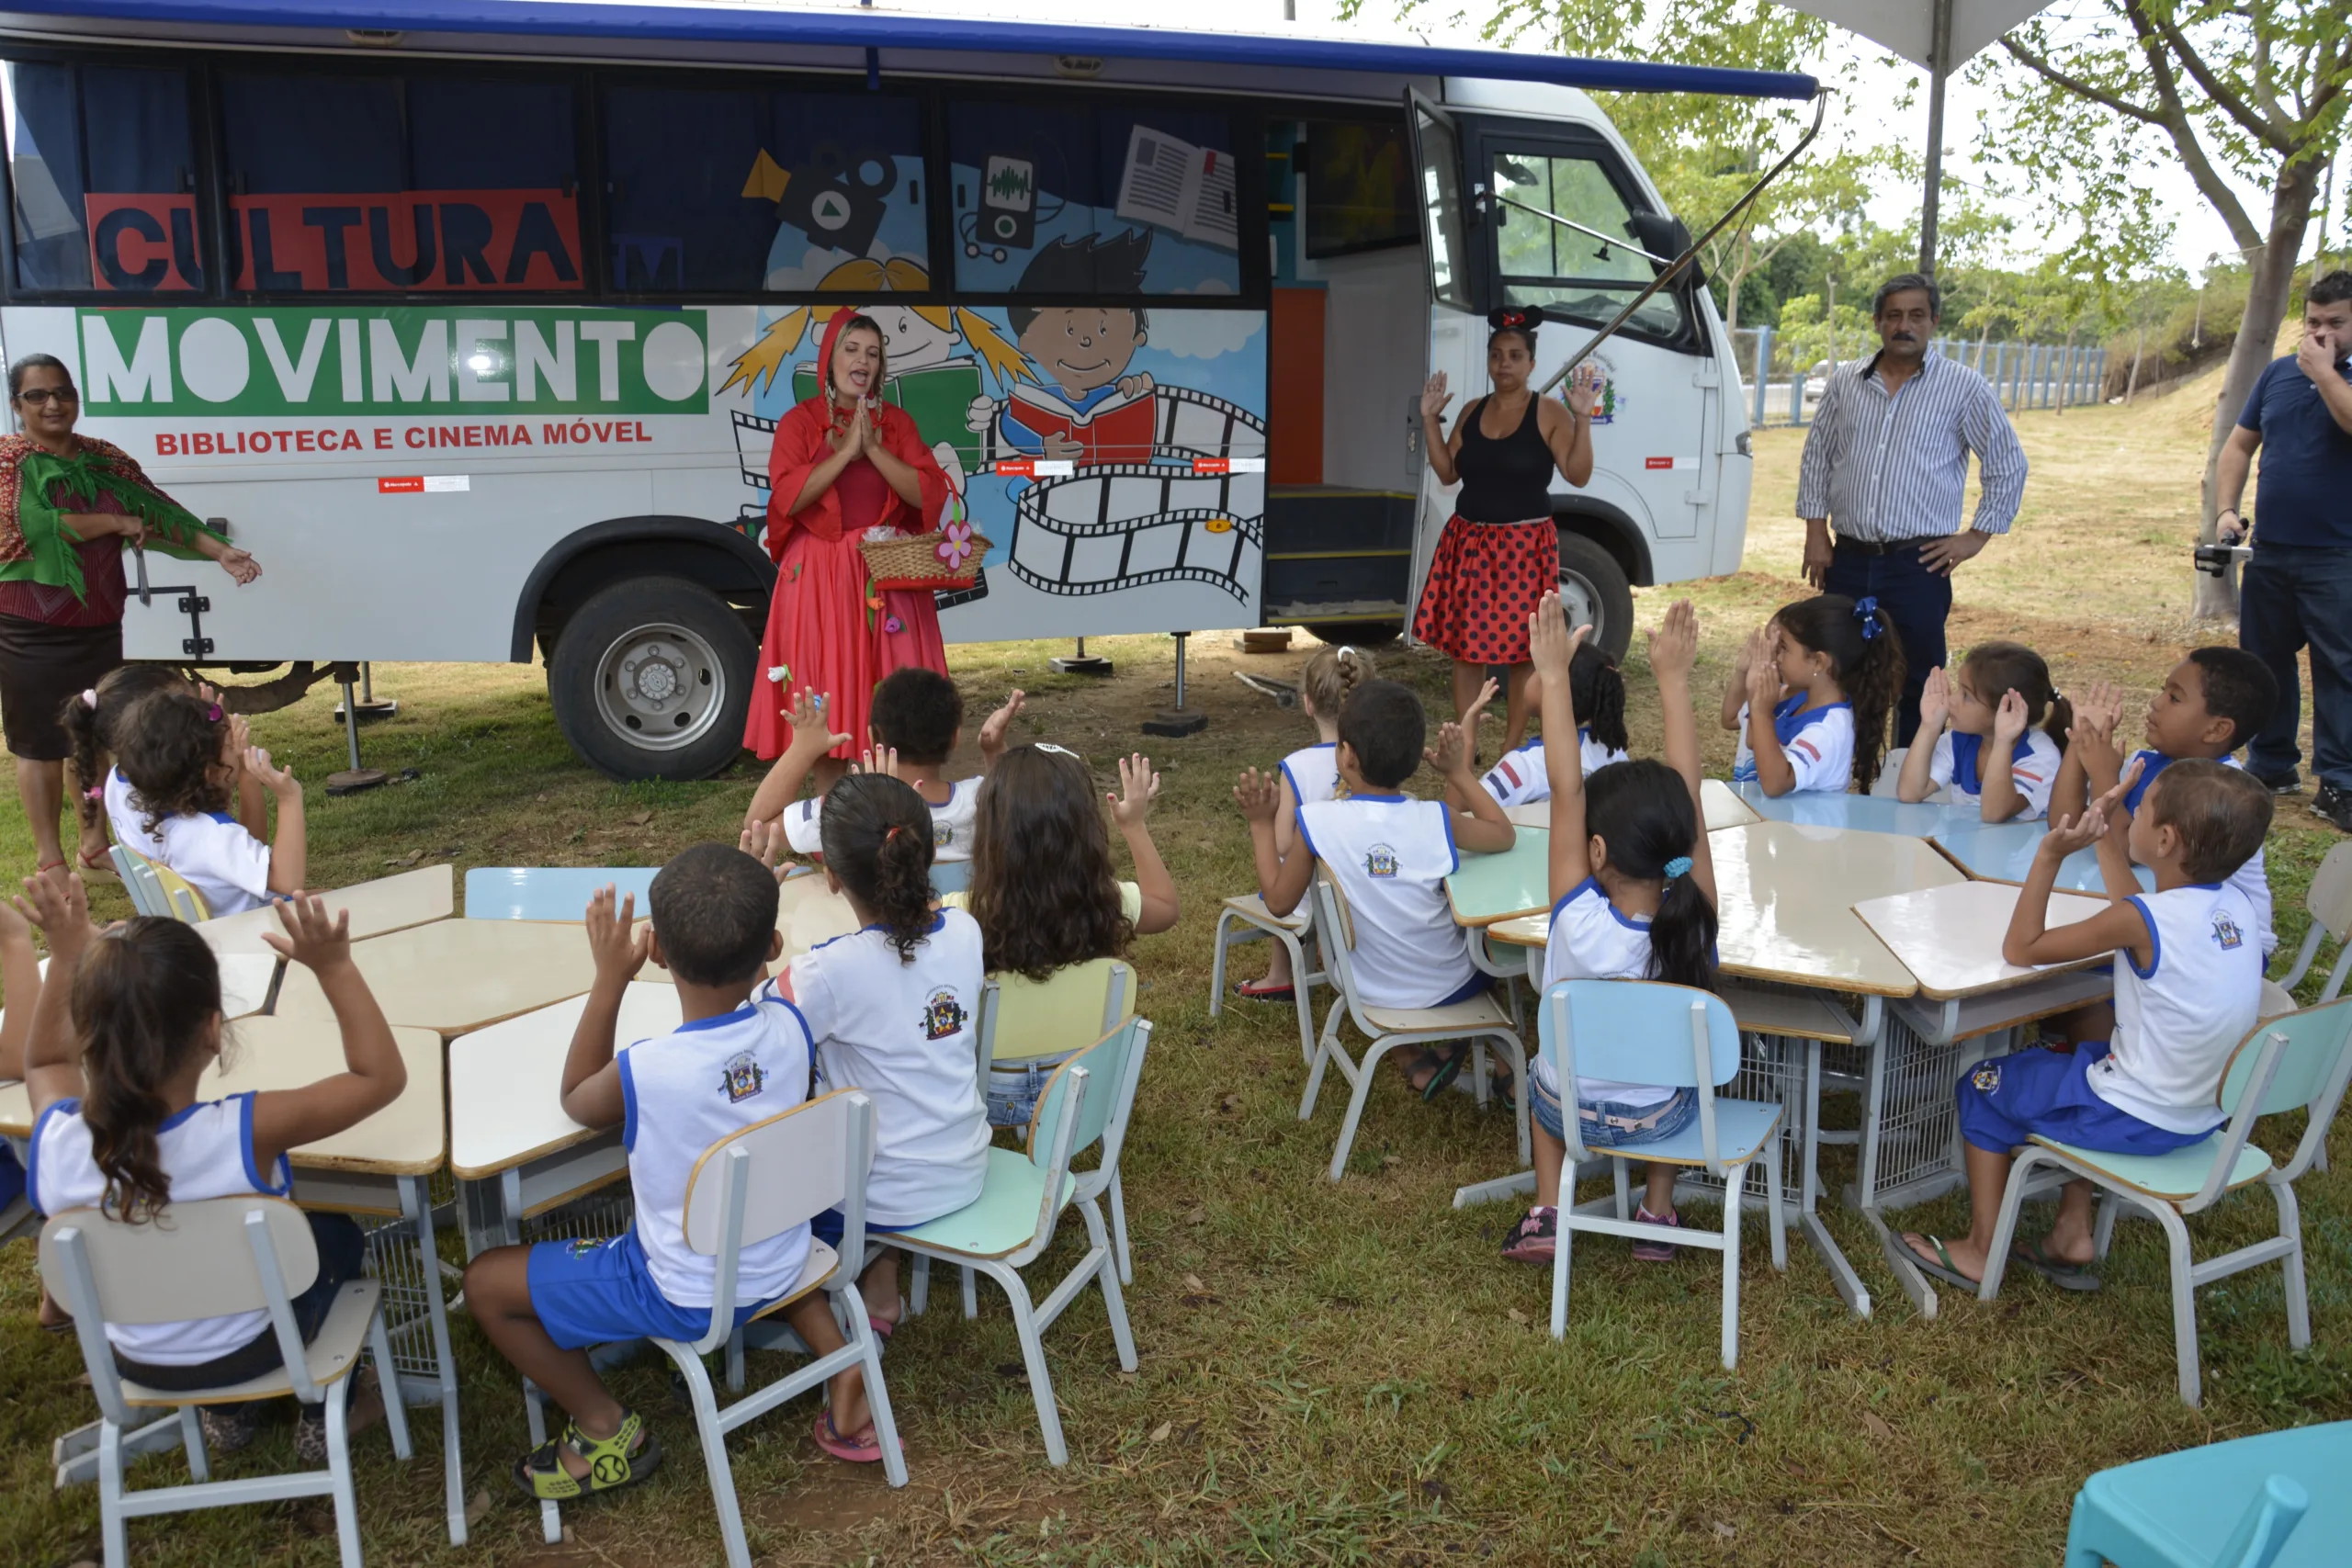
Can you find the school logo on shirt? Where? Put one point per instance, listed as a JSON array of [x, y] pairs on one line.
[[942, 835], [2226, 935], [943, 1015], [1380, 861], [1987, 1077], [741, 1077]]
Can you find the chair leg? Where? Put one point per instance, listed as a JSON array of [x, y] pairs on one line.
[[1115, 1301], [735, 1362], [1516, 1055], [1617, 1172], [346, 1497], [2103, 1226], [1481, 1077], [199, 1469], [1358, 1093], [112, 1531], [1325, 1044], [1119, 1230], [697, 1378], [1772, 1225], [1560, 1247], [919, 1286], [1217, 965], [534, 1415], [1302, 1000], [877, 1397], [1738, 1179], [2005, 1229], [971, 1294], [1033, 1356], [2184, 1302], [379, 1345], [2290, 1227]]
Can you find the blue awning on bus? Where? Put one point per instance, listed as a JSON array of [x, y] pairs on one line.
[[864, 28]]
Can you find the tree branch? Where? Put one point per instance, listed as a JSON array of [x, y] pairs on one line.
[[2175, 120], [2229, 103], [2076, 86]]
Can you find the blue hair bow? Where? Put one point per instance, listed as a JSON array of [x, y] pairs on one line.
[[1866, 612]]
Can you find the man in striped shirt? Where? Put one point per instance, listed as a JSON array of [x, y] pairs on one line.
[[1884, 468]]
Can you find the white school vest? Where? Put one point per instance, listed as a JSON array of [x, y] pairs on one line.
[[905, 1034], [1592, 940], [684, 1091], [1520, 777], [1959, 765], [128, 817], [2253, 878], [2176, 1020], [221, 860], [1314, 772], [1392, 856], [1819, 745], [951, 823], [207, 1150]]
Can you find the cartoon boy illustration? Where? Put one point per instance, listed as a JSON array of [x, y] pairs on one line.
[[1088, 410]]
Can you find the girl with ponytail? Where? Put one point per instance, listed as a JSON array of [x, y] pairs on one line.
[[2002, 693], [894, 1009], [1819, 682], [93, 724], [1309, 774], [121, 1036], [1597, 687], [1633, 898]]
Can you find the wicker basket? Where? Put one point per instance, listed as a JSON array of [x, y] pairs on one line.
[[913, 563]]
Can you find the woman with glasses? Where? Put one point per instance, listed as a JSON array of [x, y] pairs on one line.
[[68, 504]]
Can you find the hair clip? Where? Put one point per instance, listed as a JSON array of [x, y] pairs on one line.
[[1347, 651], [895, 830], [1866, 612], [90, 698], [1058, 750], [213, 713], [96, 792], [1679, 866]]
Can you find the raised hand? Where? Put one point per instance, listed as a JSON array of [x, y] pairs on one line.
[[309, 938], [60, 905], [1451, 755], [1551, 645], [1584, 391], [883, 760], [1138, 787], [765, 842], [2098, 712], [1674, 644], [1434, 397], [2068, 834], [999, 724], [279, 781], [2009, 718], [1260, 795], [614, 941], [1476, 712], [1763, 675], [812, 729], [1935, 700]]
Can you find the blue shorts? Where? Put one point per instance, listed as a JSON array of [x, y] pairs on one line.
[[594, 1292], [2007, 1100], [827, 1227], [1599, 1135]]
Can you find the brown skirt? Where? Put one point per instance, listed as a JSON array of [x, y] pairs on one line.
[[42, 667]]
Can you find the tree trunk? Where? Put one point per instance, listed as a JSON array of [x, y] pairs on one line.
[[2266, 306], [2139, 352]]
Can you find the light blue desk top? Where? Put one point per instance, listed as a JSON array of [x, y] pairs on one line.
[[1487, 888], [2003, 851], [1862, 813], [549, 892]]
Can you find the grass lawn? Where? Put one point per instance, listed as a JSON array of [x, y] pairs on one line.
[[1346, 1373]]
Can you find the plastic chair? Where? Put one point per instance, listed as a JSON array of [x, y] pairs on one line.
[[209, 1260], [139, 881], [1087, 1102], [181, 902], [1625, 1029], [2298, 1061], [1481, 1020], [549, 892], [747, 1188], [1247, 918], [2330, 905], [2233, 1504]]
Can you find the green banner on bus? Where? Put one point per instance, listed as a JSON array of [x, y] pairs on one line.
[[486, 360]]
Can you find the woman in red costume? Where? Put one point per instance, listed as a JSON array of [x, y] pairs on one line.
[[844, 462]]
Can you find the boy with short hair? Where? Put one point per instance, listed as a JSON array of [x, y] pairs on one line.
[[740, 1055], [1391, 855], [917, 720], [2212, 702], [2187, 983]]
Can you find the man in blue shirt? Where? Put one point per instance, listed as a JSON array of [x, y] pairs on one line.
[[2298, 587]]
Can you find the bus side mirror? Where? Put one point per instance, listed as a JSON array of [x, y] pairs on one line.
[[1663, 235]]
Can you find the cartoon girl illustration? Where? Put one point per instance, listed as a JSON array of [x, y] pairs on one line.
[[927, 377]]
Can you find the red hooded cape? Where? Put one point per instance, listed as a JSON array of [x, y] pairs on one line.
[[801, 445]]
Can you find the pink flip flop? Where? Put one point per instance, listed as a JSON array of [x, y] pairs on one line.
[[843, 1449], [883, 1327]]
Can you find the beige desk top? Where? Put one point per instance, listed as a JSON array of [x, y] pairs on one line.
[[244, 981], [387, 903], [808, 915], [1950, 937], [505, 1080], [454, 976], [405, 1138], [1786, 896], [1718, 802]]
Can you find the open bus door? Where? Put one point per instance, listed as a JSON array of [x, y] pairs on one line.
[[1446, 258]]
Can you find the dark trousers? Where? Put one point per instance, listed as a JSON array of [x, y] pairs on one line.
[[2293, 597], [1916, 599], [343, 1253]]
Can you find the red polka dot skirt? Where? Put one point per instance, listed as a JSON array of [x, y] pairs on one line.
[[1485, 580]]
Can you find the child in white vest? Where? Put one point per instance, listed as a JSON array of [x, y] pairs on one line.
[[740, 1055], [1310, 774]]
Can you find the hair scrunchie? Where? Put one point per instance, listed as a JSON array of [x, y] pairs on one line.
[[1679, 866], [90, 698], [1866, 612]]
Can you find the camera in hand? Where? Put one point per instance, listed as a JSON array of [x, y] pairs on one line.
[[2214, 560]]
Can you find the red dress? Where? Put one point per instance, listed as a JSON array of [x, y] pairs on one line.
[[826, 631]]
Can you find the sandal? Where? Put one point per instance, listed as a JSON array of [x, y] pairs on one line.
[[102, 866], [2067, 1276], [1941, 1267], [1536, 1238], [865, 1448], [626, 1458], [1260, 992], [1449, 1067], [1656, 1251]]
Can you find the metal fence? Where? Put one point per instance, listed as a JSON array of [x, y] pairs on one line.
[[1781, 390]]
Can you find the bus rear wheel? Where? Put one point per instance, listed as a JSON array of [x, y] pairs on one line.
[[1594, 591], [651, 679]]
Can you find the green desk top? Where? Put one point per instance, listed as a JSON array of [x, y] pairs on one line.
[[1486, 888]]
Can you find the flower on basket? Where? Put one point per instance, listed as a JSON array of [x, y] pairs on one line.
[[894, 626], [955, 545]]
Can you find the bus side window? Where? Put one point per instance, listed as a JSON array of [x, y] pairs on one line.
[[750, 190], [421, 180], [1563, 269], [101, 160]]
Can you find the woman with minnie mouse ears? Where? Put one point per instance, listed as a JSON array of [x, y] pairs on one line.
[[1500, 551]]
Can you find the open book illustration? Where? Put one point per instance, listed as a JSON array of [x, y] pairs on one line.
[[1177, 185]]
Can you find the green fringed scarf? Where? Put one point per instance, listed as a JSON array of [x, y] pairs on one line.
[[49, 487]]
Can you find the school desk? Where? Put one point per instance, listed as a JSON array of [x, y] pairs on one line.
[[1861, 813], [551, 892], [1718, 803], [1486, 888], [456, 975], [2004, 852], [514, 1152], [245, 982], [387, 903], [379, 1171]]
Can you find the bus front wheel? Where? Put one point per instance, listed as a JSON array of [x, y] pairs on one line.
[[651, 679], [1594, 592]]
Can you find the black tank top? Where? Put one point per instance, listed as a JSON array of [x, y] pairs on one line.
[[1507, 481]]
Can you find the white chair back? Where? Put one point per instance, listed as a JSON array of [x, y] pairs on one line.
[[1628, 1030], [1338, 924], [2329, 903], [2296, 1061]]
